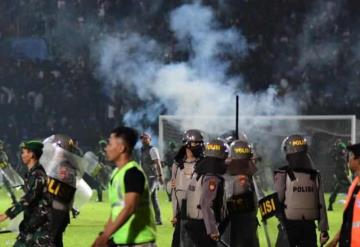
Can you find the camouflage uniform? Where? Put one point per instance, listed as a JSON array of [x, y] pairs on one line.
[[34, 229], [342, 181]]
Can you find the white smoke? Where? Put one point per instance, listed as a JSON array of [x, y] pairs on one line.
[[199, 86]]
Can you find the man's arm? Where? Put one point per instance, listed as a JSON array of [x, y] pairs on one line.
[[131, 202], [155, 156], [134, 188], [334, 241], [280, 184], [208, 195], [37, 182]]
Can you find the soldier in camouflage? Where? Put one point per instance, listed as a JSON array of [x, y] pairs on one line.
[[34, 229], [342, 181]]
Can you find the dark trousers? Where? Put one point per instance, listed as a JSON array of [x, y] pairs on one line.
[[242, 230], [197, 233], [299, 233], [60, 219], [176, 235], [341, 184]]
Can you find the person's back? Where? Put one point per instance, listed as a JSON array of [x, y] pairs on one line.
[[301, 197]]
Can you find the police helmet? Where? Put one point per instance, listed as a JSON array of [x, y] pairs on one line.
[[241, 150], [230, 136], [294, 144], [192, 135], [62, 141], [217, 149]]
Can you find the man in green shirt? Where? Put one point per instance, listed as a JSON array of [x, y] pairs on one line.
[[131, 222]]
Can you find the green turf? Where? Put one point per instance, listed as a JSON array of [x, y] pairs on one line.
[[83, 230]]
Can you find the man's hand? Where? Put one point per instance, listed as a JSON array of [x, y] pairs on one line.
[[324, 237], [215, 236], [334, 241], [332, 244], [173, 183], [161, 180], [101, 241], [3, 217]]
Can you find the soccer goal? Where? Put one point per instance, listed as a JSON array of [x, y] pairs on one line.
[[266, 134]]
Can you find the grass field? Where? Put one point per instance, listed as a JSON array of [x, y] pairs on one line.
[[83, 230]]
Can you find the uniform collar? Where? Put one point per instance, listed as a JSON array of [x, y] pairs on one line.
[[34, 167]]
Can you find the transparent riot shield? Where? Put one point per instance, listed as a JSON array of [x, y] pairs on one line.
[[83, 194], [12, 177], [97, 170], [93, 164], [62, 164]]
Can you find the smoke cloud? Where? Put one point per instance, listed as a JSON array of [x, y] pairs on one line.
[[199, 86]]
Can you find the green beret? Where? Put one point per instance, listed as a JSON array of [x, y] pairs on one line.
[[35, 146], [102, 142], [342, 145]]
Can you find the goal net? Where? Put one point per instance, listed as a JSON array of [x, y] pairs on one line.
[[266, 134]]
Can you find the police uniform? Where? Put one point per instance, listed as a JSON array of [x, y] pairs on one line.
[[34, 229], [342, 181], [301, 196], [148, 155], [241, 198], [205, 196], [61, 183], [181, 174]]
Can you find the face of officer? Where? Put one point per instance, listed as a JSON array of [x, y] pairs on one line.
[[115, 148], [195, 148], [26, 156]]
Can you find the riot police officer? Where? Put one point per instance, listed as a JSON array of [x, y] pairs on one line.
[[241, 197], [341, 172], [301, 196], [184, 164], [205, 196], [62, 181]]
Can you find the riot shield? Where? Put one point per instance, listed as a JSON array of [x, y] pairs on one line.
[[83, 194], [93, 164], [62, 164], [96, 169], [12, 177]]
